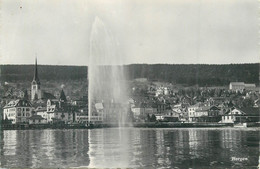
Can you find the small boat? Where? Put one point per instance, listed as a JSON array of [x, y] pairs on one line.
[[240, 125]]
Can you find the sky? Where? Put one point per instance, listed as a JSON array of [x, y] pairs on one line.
[[58, 32]]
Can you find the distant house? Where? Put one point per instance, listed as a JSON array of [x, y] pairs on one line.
[[159, 117], [37, 119], [252, 114], [18, 93], [41, 111], [60, 110], [18, 111], [206, 114], [99, 112], [245, 114], [161, 107], [233, 115], [138, 110], [237, 86], [191, 110], [141, 110], [159, 91], [81, 117], [240, 86], [166, 118], [250, 86]]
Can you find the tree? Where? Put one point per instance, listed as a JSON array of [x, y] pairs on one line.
[[153, 118], [148, 118], [26, 97], [248, 102]]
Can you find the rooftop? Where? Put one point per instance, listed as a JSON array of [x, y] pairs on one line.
[[18, 103], [36, 117]]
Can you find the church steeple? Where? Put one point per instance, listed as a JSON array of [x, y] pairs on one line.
[[36, 85], [36, 78]]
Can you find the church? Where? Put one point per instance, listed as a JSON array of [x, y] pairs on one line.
[[36, 92]]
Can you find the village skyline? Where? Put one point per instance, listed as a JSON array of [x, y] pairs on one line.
[[129, 84]]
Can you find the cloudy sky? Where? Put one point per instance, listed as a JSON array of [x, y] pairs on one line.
[[145, 31]]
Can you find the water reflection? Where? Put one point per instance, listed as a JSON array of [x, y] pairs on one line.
[[130, 147]]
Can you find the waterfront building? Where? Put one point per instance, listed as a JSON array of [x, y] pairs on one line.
[[141, 110], [37, 119], [81, 117], [206, 114], [59, 110], [166, 118], [18, 111], [42, 111], [252, 114], [161, 107], [245, 114], [191, 111], [232, 115]]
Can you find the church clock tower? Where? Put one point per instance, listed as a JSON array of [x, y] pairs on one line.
[[36, 85]]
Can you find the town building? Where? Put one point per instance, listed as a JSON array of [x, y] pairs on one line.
[[250, 87], [191, 111], [58, 110], [232, 115], [37, 119], [245, 114], [141, 110], [206, 114], [18, 111], [167, 117], [240, 86], [42, 111], [162, 91]]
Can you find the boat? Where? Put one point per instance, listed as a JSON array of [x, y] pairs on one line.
[[240, 125]]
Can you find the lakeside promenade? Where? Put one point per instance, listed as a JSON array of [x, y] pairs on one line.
[[135, 124]]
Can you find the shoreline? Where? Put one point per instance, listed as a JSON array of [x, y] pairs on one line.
[[134, 125]]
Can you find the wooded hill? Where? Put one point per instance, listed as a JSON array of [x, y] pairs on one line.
[[196, 74]]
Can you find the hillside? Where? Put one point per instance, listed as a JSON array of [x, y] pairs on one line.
[[180, 74]]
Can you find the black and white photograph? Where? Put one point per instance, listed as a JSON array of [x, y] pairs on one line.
[[129, 84]]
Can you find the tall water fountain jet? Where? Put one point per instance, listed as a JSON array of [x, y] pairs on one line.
[[107, 78]]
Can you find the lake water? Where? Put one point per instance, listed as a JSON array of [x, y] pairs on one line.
[[130, 147]]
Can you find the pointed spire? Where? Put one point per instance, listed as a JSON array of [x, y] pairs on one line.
[[62, 96], [36, 78]]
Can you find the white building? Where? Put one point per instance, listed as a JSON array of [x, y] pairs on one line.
[[192, 110], [240, 86], [162, 91], [18, 111], [232, 115]]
